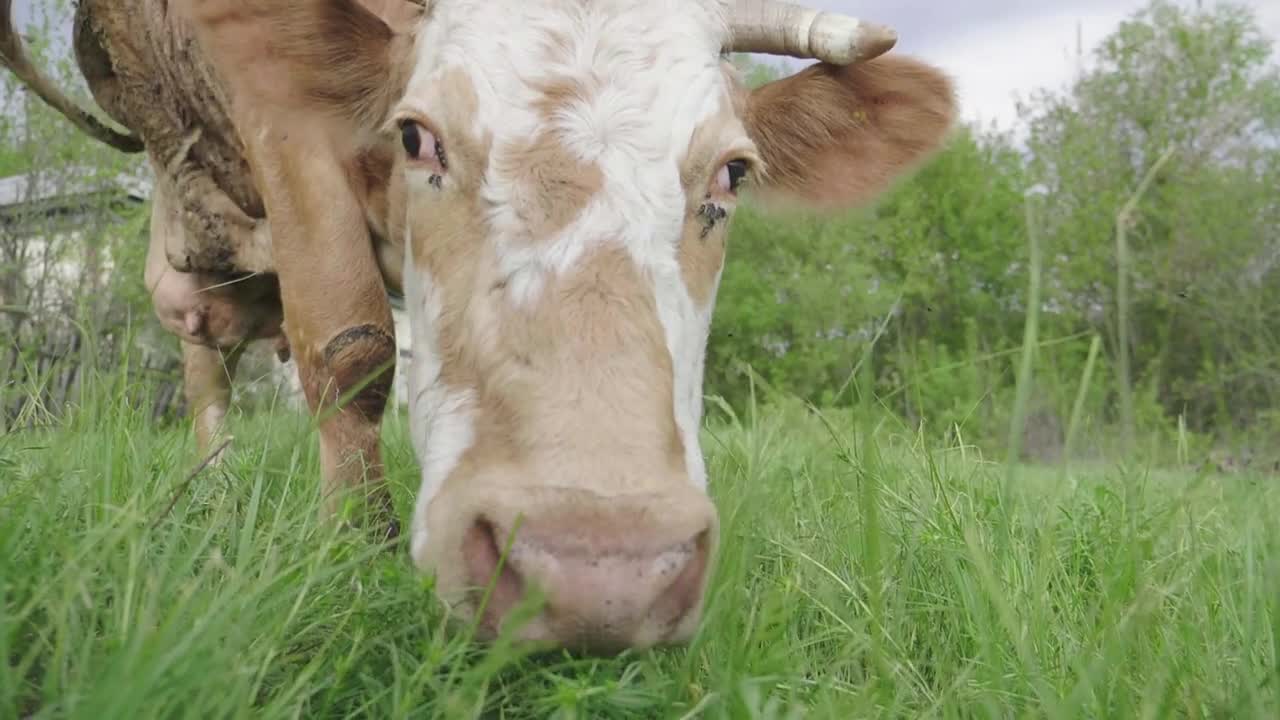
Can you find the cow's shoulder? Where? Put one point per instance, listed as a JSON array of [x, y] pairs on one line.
[[343, 60]]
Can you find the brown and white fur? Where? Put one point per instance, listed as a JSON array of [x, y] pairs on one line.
[[562, 174]]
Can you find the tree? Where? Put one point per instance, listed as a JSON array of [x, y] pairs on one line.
[[1202, 83]]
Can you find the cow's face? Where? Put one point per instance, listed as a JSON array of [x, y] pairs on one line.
[[571, 172], [570, 169]]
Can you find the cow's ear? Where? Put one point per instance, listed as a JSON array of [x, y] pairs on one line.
[[334, 57], [835, 137]]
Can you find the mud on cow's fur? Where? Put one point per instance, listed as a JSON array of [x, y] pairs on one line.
[[549, 183]]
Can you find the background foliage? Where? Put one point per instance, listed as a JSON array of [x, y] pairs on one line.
[[930, 285]]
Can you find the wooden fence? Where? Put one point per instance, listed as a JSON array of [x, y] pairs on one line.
[[45, 370]]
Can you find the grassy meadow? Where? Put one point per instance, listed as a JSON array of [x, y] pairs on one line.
[[865, 572]]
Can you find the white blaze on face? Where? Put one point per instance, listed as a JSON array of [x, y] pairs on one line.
[[690, 325], [440, 417], [649, 73]]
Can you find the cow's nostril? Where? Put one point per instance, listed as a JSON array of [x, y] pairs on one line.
[[683, 592], [482, 550]]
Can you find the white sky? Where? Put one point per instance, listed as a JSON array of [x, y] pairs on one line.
[[995, 49]]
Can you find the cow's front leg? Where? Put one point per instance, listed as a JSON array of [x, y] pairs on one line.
[[347, 378], [207, 377], [336, 313]]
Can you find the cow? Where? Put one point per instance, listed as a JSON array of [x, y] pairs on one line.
[[208, 268], [549, 183]]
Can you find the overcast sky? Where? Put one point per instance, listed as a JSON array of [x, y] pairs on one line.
[[998, 48], [993, 48]]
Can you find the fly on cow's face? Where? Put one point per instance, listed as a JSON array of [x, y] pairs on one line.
[[711, 213]]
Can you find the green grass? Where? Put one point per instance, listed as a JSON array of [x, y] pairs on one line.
[[863, 574]]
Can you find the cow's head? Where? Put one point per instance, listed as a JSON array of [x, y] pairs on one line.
[[570, 170]]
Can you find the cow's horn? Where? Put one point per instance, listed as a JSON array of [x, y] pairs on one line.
[[774, 27]]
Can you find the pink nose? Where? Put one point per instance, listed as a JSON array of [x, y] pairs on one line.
[[608, 581]]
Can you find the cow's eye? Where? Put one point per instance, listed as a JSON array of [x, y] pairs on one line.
[[417, 140], [731, 175], [411, 137], [737, 173]]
